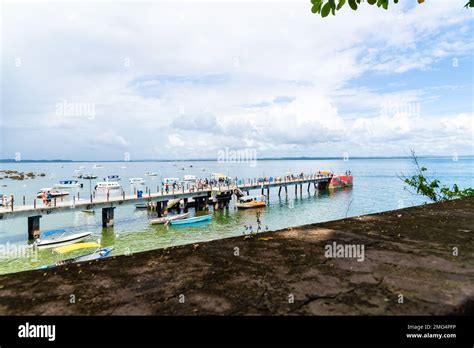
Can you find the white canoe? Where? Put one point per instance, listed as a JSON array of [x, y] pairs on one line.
[[166, 219]]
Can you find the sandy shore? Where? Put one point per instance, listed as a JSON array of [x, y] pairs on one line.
[[408, 268]]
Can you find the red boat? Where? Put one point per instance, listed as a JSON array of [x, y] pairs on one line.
[[341, 180]]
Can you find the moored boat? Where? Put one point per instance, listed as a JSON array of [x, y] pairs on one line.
[[151, 174], [108, 185], [192, 220], [341, 180], [112, 178], [89, 176], [248, 202], [163, 220], [96, 255], [136, 181], [59, 238], [68, 184]]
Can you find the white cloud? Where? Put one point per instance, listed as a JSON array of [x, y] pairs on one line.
[[217, 59]]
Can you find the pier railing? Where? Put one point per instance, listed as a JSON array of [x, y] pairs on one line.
[[162, 193]]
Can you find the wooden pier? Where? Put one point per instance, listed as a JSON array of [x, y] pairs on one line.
[[217, 195]]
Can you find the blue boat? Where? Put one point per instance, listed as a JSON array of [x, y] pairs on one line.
[[192, 220]]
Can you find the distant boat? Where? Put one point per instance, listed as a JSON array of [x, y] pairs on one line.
[[141, 205], [248, 202], [89, 176], [151, 174], [192, 220], [54, 192], [89, 211], [137, 181], [59, 238], [97, 166], [68, 184], [191, 178], [112, 178], [108, 185], [166, 219]]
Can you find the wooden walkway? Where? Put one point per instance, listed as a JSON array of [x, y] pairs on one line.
[[73, 203]]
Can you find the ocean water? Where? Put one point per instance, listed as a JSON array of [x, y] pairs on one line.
[[377, 187]]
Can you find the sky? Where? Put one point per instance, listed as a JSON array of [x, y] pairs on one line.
[[186, 79]]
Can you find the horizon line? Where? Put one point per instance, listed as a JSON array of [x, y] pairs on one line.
[[12, 160]]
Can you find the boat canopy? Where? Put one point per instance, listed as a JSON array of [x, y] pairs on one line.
[[68, 182], [76, 246], [51, 232]]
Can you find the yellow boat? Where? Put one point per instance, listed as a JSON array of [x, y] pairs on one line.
[[248, 202], [76, 246]]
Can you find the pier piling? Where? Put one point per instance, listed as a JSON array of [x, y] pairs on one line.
[[33, 227], [108, 217]]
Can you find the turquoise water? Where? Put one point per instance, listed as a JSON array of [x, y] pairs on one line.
[[377, 187]]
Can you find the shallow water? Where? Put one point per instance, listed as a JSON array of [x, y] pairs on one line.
[[377, 187]]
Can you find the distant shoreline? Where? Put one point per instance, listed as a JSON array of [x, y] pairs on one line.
[[11, 160]]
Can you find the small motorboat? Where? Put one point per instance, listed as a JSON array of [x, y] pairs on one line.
[[248, 202], [96, 255], [137, 181], [192, 220], [54, 192], [108, 185], [59, 238], [89, 176], [164, 220], [68, 184], [141, 205], [112, 178], [89, 211], [151, 174], [97, 166]]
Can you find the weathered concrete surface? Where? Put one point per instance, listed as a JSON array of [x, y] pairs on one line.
[[407, 252]]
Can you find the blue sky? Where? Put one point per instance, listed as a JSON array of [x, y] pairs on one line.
[[185, 79]]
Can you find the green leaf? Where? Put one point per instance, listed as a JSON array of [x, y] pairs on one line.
[[340, 4], [371, 2], [326, 9], [353, 4]]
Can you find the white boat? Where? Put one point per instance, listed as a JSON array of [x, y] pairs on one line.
[[190, 178], [137, 181], [68, 184], [89, 176], [97, 166], [112, 178], [151, 174], [59, 238], [54, 192], [108, 185]]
